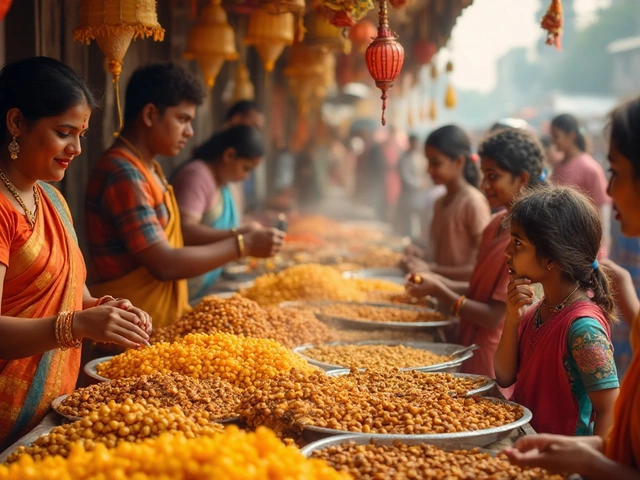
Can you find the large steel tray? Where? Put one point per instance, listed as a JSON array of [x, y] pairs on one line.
[[437, 348], [91, 371], [355, 324], [468, 439], [481, 391]]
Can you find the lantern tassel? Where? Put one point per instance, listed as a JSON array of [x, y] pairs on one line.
[[384, 107], [115, 69], [552, 22]]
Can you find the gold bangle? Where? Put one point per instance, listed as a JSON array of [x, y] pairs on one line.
[[240, 240], [64, 331], [105, 299]]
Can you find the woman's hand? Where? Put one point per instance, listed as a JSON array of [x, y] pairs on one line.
[[108, 324], [557, 453], [414, 251], [420, 285], [263, 243], [250, 227], [519, 297], [414, 264], [143, 319]]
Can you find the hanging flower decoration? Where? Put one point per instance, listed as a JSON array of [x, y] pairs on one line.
[[450, 100], [113, 24], [385, 57], [344, 13], [4, 8], [212, 41], [552, 23]]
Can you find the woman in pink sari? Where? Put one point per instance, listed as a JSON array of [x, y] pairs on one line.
[[511, 161]]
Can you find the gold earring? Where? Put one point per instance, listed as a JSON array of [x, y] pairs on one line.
[[14, 148]]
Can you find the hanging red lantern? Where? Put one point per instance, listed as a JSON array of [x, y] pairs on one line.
[[385, 57], [423, 51], [552, 23], [398, 3], [362, 34], [4, 8]]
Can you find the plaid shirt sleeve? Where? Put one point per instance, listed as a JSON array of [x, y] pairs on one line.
[[130, 203]]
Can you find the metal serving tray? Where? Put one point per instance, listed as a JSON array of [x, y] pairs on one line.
[[354, 324], [394, 275], [91, 371], [480, 391], [437, 348], [469, 439]]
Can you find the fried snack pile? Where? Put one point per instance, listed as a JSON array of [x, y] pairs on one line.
[[238, 360], [115, 423], [368, 356], [231, 455], [290, 402], [161, 390], [372, 462]]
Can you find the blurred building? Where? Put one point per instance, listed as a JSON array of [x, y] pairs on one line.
[[626, 66]]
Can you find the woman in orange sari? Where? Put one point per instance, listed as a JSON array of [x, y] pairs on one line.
[[618, 455], [46, 309]]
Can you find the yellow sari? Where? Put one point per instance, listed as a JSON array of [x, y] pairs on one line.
[[164, 301], [44, 277], [623, 444]]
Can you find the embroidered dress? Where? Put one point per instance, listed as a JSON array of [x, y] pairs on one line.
[[560, 363]]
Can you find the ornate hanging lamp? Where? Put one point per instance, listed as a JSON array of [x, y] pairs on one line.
[[212, 41], [384, 57], [113, 24], [362, 34], [296, 7], [270, 34], [4, 8], [305, 72], [243, 89], [423, 51], [552, 23]]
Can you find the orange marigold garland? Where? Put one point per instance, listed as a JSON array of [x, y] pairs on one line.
[[552, 23]]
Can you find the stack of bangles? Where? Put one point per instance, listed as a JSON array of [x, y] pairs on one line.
[[457, 307], [64, 331]]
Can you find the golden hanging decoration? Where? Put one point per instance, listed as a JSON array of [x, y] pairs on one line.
[[433, 110], [321, 34], [113, 24], [243, 88], [296, 7], [450, 100], [212, 41], [269, 35], [306, 71]]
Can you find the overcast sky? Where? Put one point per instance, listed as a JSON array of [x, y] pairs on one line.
[[489, 28]]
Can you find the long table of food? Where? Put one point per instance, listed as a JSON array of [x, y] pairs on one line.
[[318, 366]]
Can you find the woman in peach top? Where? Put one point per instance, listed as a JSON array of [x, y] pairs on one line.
[[460, 216]]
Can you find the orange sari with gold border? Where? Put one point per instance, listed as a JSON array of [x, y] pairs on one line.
[[623, 444], [44, 277]]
